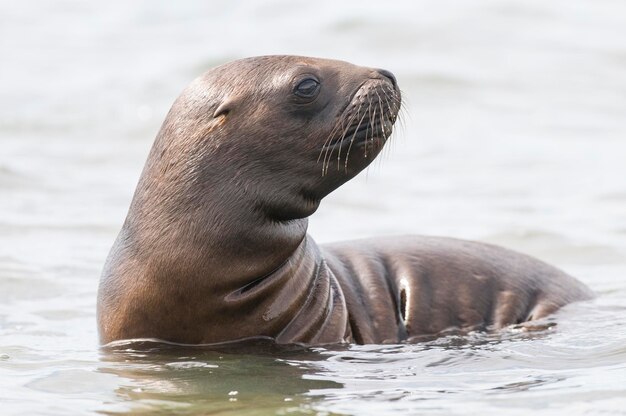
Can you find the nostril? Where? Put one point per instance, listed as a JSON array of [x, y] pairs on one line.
[[388, 75]]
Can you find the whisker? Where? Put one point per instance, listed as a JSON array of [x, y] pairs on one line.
[[328, 146], [336, 128], [340, 141], [371, 130], [352, 141], [338, 125], [380, 105], [332, 141]]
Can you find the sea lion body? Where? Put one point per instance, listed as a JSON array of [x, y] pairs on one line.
[[214, 247], [434, 284]]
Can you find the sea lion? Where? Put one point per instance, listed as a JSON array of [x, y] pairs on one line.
[[214, 247]]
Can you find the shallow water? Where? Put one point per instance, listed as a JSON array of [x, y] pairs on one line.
[[514, 133]]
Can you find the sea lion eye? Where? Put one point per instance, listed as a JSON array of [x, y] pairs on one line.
[[307, 88]]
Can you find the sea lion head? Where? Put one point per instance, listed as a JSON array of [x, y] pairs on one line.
[[287, 129]]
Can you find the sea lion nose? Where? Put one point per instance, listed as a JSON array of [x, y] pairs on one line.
[[388, 75]]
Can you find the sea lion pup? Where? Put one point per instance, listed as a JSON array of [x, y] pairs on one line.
[[214, 247]]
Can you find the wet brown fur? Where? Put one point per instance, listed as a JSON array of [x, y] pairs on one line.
[[214, 247]]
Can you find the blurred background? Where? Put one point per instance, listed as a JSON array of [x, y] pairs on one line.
[[514, 132]]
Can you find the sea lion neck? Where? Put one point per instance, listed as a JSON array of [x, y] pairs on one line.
[[211, 211]]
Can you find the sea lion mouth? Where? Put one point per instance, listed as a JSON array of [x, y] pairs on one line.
[[379, 128], [366, 123]]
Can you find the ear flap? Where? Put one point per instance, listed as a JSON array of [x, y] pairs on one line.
[[225, 107]]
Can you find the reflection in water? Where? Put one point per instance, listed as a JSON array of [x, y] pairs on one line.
[[240, 379]]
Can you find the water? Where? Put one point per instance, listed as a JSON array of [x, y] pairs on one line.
[[515, 133]]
